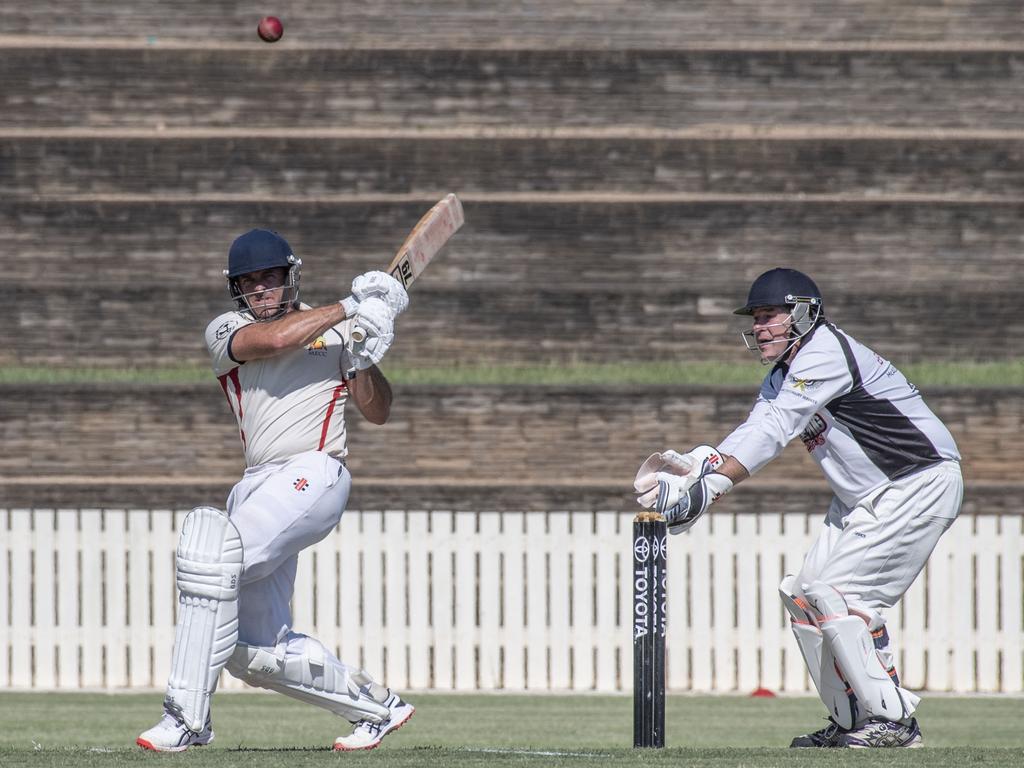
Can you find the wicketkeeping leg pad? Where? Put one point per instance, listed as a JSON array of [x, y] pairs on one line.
[[821, 665], [850, 642]]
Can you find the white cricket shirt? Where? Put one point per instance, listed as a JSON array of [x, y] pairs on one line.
[[856, 414], [287, 404]]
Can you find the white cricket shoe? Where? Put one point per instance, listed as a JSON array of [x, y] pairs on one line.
[[171, 735], [368, 735]]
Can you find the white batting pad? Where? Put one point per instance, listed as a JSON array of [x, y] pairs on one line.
[[302, 668], [209, 563], [849, 641]]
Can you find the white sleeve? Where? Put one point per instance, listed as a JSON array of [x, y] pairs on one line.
[[218, 340], [818, 376], [735, 438]]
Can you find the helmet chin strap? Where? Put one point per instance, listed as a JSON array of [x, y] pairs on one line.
[[789, 348]]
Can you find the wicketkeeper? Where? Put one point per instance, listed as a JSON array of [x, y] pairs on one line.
[[287, 371], [895, 472]]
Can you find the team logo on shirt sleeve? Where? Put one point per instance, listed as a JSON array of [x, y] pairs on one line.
[[225, 328], [802, 385], [802, 388]]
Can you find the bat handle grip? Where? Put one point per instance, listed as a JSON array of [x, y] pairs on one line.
[[358, 334]]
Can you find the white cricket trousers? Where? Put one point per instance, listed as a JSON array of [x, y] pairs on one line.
[[280, 508], [873, 552]]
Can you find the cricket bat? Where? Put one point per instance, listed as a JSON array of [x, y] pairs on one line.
[[427, 238]]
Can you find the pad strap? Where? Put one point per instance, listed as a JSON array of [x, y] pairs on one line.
[[302, 668]]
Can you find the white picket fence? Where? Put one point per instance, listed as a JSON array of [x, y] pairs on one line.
[[498, 600]]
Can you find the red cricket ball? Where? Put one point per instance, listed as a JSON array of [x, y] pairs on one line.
[[270, 29]]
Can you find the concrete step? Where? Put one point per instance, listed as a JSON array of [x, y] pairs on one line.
[[294, 163], [462, 23], [543, 435], [162, 87], [143, 325], [524, 282]]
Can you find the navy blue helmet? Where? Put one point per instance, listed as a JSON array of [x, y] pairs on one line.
[[788, 288], [260, 249], [781, 287]]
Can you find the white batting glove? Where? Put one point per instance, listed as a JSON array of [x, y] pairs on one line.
[[374, 317], [381, 285]]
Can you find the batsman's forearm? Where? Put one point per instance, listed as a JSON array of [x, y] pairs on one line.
[[308, 325], [372, 395], [295, 329]]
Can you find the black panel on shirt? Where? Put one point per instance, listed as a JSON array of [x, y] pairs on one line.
[[888, 438]]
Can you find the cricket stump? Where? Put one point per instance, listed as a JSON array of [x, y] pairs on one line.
[[650, 598]]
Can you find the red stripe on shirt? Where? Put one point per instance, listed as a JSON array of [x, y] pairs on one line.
[[330, 412], [233, 375]]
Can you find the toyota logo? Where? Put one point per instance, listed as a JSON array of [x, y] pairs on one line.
[[641, 550]]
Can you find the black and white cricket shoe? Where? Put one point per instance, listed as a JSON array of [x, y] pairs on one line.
[[368, 735], [883, 733], [826, 738], [171, 735]]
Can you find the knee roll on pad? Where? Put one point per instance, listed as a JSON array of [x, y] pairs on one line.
[[300, 667], [208, 566], [795, 602]]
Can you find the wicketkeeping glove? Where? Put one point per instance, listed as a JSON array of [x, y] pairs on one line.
[[682, 510], [658, 466], [679, 470], [666, 479]]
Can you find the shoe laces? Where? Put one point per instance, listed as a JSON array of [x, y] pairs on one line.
[[370, 727], [826, 735], [374, 729], [828, 731]]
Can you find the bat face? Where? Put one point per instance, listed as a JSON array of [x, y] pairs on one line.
[[429, 236]]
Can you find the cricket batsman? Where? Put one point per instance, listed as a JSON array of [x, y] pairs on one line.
[[894, 470], [287, 370]]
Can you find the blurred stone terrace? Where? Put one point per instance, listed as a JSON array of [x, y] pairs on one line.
[[626, 169]]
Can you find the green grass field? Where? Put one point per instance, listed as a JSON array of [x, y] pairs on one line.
[[1007, 373], [255, 730]]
